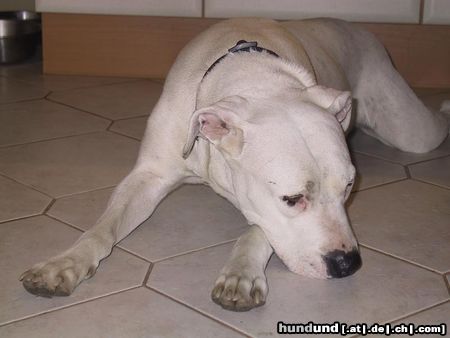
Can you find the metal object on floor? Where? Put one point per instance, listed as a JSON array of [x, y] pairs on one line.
[[19, 35]]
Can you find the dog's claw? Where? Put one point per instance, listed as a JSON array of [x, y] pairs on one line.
[[239, 293], [56, 277]]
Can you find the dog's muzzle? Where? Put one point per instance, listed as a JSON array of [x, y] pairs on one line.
[[342, 264]]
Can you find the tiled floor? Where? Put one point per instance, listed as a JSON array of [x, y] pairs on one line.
[[65, 142]]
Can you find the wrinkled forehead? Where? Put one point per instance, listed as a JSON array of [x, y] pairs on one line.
[[294, 151]]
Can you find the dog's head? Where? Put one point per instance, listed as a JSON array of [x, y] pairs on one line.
[[286, 162]]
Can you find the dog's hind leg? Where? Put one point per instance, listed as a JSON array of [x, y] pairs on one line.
[[242, 283], [131, 203], [387, 108]]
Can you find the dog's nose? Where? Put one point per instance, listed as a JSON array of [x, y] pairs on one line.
[[341, 264]]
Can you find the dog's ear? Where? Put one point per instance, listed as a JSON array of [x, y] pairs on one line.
[[217, 124], [337, 102]]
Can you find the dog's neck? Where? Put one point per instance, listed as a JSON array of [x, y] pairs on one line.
[[251, 75]]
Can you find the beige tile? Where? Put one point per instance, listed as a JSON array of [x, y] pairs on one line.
[[81, 210], [17, 200], [32, 74], [13, 91], [71, 165], [383, 289], [114, 101], [407, 219], [10, 70], [135, 313], [131, 127], [190, 218], [435, 171], [435, 316], [372, 172], [365, 144], [39, 120], [26, 242]]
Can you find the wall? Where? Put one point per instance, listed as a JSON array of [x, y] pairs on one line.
[[12, 5], [387, 11]]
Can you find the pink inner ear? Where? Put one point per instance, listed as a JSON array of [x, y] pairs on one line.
[[212, 126]]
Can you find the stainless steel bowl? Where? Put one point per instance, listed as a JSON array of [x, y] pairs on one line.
[[19, 35]]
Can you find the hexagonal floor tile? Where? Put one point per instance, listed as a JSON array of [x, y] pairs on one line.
[[14, 91], [190, 218], [435, 171], [371, 172], [152, 315], [437, 315], [114, 101], [71, 165], [130, 127], [32, 74], [408, 219], [17, 200], [26, 242], [384, 288], [39, 120], [362, 143]]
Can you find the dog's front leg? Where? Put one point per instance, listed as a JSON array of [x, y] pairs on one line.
[[242, 283], [132, 202]]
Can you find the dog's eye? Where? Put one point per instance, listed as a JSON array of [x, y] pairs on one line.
[[348, 189], [292, 200]]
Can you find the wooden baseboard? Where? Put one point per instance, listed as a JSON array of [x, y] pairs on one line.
[[139, 46]]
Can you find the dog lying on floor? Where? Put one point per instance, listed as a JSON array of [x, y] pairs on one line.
[[258, 110]]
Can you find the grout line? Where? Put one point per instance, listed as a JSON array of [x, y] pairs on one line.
[[194, 250], [65, 223], [86, 86], [447, 281], [417, 312], [408, 315], [133, 254], [25, 185], [378, 157], [123, 135], [19, 218], [428, 160], [204, 313], [408, 173], [79, 109], [131, 117], [116, 246], [85, 192], [109, 125], [129, 251], [47, 208], [125, 80], [50, 139], [430, 183], [418, 265], [24, 100], [147, 275], [13, 321], [380, 185]]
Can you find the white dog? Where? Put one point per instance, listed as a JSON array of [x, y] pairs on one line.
[[258, 111]]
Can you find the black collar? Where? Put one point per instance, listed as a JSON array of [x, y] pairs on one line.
[[241, 46]]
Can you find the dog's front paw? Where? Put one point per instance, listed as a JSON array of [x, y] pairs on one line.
[[239, 292], [56, 277]]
